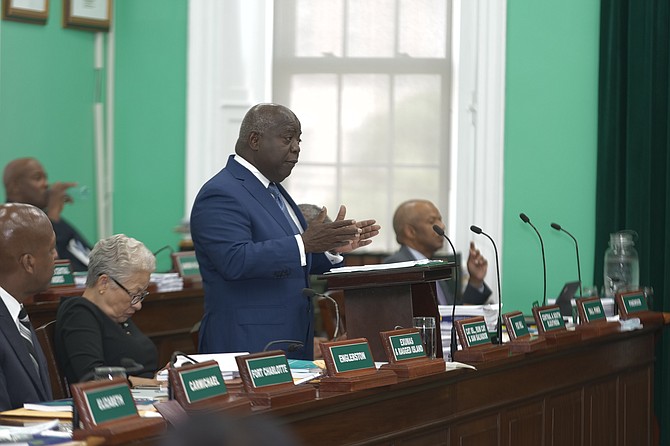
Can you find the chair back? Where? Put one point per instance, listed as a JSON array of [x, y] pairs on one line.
[[59, 385]]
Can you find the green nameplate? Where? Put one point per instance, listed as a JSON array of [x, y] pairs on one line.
[[518, 325], [110, 403], [350, 357], [594, 310], [62, 274], [551, 319], [635, 303], [269, 370], [202, 383], [476, 333], [407, 346], [188, 265]]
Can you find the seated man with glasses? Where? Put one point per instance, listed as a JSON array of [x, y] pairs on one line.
[[96, 329]]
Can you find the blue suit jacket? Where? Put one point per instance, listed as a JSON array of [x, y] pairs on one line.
[[250, 266], [19, 381]]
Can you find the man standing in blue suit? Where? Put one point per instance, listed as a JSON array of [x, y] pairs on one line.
[[255, 249], [27, 256]]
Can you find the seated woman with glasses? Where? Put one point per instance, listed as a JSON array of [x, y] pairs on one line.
[[95, 330]]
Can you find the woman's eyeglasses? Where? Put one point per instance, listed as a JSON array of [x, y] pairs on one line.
[[134, 298]]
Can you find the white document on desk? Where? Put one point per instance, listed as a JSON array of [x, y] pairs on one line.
[[226, 362]]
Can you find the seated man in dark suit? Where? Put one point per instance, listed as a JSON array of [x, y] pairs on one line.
[[27, 255], [26, 182], [413, 225]]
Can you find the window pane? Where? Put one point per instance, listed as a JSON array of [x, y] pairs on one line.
[[371, 28], [314, 101], [423, 28], [365, 194], [410, 182], [365, 118], [314, 185], [418, 124], [318, 30]]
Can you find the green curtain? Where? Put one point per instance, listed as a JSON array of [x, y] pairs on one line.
[[633, 179]]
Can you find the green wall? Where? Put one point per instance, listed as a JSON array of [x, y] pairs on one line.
[[150, 121], [47, 91], [47, 88], [550, 145]]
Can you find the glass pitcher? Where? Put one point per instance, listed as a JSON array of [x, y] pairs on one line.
[[622, 265]]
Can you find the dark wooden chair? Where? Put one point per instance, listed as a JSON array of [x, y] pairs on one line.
[[59, 385]]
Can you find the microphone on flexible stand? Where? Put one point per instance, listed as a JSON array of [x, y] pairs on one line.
[[309, 293], [478, 230], [579, 270], [454, 342], [292, 345], [173, 360], [129, 365], [525, 219]]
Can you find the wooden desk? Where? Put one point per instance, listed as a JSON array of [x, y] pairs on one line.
[[597, 392], [166, 317]]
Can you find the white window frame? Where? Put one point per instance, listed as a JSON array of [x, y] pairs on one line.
[[229, 70]]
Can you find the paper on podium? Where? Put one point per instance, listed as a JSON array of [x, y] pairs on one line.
[[385, 266]]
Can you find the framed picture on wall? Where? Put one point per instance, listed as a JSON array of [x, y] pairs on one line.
[[29, 11], [91, 15]]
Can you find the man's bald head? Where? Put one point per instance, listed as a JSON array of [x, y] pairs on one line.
[[27, 249], [413, 223], [25, 181], [269, 139]]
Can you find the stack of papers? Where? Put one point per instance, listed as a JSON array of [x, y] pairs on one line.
[[39, 433], [385, 266], [226, 362], [167, 282], [489, 311]]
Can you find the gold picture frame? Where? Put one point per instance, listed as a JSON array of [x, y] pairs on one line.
[[89, 15], [27, 11]]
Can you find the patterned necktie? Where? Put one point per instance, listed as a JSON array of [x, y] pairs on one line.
[[274, 191], [25, 331]]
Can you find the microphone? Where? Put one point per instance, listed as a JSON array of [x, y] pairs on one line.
[[168, 247], [309, 293], [579, 269], [131, 366], [175, 355], [128, 365], [478, 230], [173, 360], [525, 219], [454, 342], [292, 345]]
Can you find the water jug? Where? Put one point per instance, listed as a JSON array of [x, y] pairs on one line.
[[622, 266]]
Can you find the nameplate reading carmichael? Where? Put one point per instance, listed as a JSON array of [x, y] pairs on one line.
[[350, 357], [269, 370], [551, 319], [202, 383], [110, 403]]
